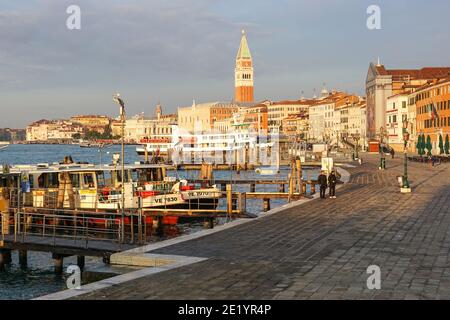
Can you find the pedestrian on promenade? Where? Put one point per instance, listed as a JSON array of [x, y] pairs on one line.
[[332, 181], [392, 153], [322, 180]]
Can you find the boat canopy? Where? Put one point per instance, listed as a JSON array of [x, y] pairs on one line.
[[75, 167]]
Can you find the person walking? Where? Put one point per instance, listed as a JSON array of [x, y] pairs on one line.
[[392, 153], [322, 180], [332, 181]]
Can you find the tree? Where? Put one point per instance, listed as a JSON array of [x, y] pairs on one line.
[[76, 136], [428, 146], [446, 145], [419, 145], [441, 144]]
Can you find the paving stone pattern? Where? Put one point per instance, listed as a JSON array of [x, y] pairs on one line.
[[321, 250]]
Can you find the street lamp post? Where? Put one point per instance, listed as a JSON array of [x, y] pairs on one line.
[[122, 121], [382, 159], [405, 183], [356, 137]]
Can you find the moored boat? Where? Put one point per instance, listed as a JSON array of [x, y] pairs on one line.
[[99, 187]]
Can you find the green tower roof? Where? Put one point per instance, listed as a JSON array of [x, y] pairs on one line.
[[244, 51]]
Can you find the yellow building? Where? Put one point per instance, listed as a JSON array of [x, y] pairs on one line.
[[95, 123]]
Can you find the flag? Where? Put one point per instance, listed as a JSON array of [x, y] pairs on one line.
[[434, 113]]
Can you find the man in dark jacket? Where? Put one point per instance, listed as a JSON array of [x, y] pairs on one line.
[[322, 180], [332, 181]]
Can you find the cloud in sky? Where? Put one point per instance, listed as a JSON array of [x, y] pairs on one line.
[[178, 50]]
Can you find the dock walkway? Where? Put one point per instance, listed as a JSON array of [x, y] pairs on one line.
[[321, 249]]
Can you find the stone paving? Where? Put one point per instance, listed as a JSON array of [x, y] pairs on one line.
[[321, 249]]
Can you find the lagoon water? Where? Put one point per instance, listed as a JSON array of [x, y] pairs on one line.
[[38, 279]]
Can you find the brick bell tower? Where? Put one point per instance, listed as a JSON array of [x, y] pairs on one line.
[[243, 74]]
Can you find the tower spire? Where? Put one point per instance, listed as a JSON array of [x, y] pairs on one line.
[[244, 72]]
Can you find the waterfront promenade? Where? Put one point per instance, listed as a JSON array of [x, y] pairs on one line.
[[322, 248]]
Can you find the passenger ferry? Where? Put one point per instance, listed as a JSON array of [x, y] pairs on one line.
[[208, 142], [99, 187]]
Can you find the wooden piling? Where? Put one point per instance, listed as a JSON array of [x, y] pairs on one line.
[[4, 211], [229, 200], [291, 187], [58, 261], [7, 255], [234, 201], [5, 223], [242, 203], [5, 258], [23, 258], [160, 226], [2, 262], [298, 166], [81, 262]]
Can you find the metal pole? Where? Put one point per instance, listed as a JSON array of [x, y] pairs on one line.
[[405, 167], [122, 117]]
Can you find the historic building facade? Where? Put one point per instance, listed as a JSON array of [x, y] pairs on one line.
[[382, 83]]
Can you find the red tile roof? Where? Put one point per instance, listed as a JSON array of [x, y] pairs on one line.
[[424, 73]]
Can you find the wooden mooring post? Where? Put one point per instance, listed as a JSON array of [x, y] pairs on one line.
[[298, 167], [229, 200], [291, 187], [23, 258], [81, 262], [58, 261], [5, 258]]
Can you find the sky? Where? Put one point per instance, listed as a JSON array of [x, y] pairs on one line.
[[175, 51]]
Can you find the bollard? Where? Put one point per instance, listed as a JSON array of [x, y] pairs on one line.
[[208, 223], [23, 258], [313, 188], [266, 204]]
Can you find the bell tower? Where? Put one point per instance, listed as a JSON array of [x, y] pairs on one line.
[[243, 73]]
